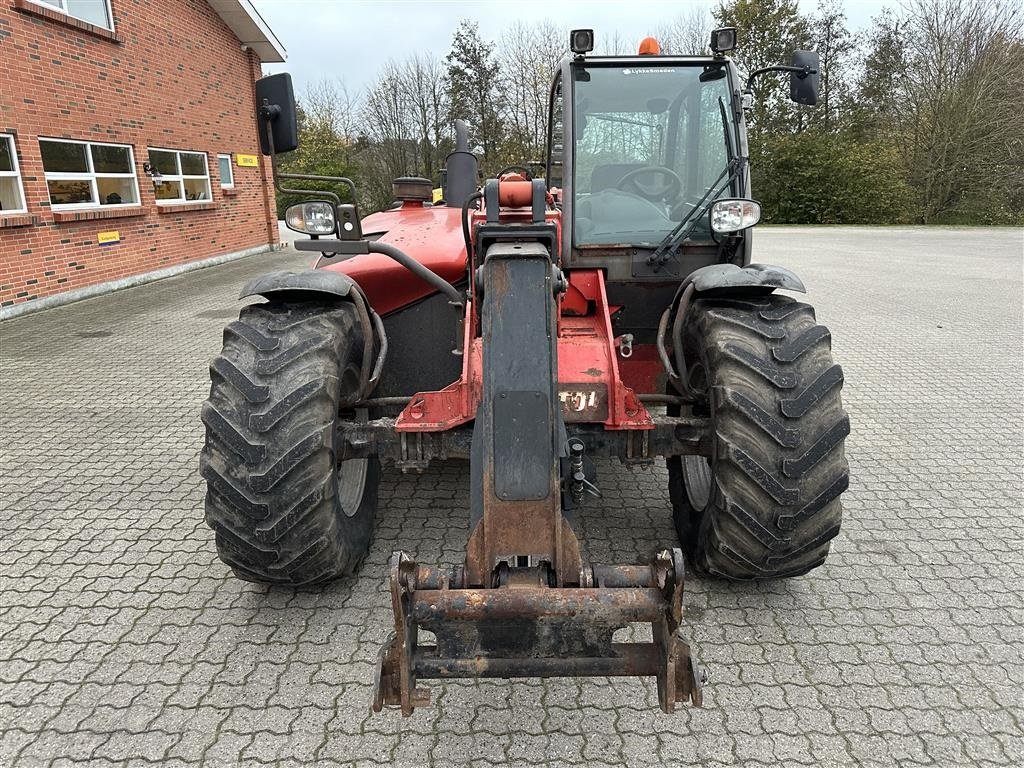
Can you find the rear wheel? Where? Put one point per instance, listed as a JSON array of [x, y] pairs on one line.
[[282, 509], [766, 504]]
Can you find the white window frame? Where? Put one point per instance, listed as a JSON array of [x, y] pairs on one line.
[[230, 184], [91, 176], [62, 7], [15, 174], [182, 177]]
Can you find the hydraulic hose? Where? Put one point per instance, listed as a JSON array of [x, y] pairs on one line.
[[677, 341], [465, 220]]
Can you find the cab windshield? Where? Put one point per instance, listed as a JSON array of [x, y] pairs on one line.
[[649, 143]]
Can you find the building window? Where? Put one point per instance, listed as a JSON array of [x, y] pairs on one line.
[[179, 177], [12, 196], [227, 174], [95, 12], [83, 174]]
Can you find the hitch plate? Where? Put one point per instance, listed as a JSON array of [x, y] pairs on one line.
[[524, 629]]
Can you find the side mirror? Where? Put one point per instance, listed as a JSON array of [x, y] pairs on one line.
[[275, 114], [803, 84]]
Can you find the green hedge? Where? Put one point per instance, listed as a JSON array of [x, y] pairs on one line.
[[822, 178]]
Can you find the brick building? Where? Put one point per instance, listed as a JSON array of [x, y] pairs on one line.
[[128, 146]]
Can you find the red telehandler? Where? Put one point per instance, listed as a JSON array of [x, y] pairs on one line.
[[609, 309]]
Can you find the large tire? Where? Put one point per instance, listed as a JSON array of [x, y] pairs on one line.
[[282, 511], [767, 503]]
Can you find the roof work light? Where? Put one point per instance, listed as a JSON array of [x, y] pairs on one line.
[[723, 39], [581, 41]]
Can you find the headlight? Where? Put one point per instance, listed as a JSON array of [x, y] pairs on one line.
[[734, 215], [312, 218]]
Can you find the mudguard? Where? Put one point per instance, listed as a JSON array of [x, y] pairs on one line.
[[722, 277], [715, 280], [308, 281]]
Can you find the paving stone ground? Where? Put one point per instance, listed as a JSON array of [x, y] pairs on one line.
[[124, 641]]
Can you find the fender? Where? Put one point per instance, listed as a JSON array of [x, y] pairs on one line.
[[714, 280], [313, 284], [309, 281], [729, 278]]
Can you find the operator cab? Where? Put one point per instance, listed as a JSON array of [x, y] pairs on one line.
[[640, 147], [644, 151], [649, 142]]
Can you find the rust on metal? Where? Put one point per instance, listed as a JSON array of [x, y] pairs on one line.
[[585, 351], [613, 606], [536, 631]]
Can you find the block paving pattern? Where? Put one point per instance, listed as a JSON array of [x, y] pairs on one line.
[[124, 641]]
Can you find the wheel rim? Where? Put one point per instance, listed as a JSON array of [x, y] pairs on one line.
[[352, 484], [697, 480]]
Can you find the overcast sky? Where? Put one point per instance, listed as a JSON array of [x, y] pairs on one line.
[[350, 39]]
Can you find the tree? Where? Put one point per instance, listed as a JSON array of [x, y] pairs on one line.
[[768, 31], [473, 82], [529, 55], [688, 34], [422, 84], [945, 80], [883, 57], [836, 47], [917, 121], [390, 128], [815, 177], [613, 44]]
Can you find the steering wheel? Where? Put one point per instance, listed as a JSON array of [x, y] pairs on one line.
[[520, 169], [631, 183]]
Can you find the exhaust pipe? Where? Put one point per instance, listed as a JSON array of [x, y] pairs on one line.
[[461, 169]]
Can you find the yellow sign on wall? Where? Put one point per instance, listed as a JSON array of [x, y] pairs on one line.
[[108, 238], [247, 161]]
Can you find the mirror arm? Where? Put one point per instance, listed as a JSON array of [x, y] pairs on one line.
[[268, 112], [801, 72]]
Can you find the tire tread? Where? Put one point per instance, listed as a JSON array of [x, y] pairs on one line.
[[268, 459], [779, 466]]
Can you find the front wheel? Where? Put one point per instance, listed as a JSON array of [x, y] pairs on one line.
[[766, 503], [283, 510]]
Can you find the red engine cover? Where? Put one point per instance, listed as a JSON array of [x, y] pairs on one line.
[[432, 236]]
